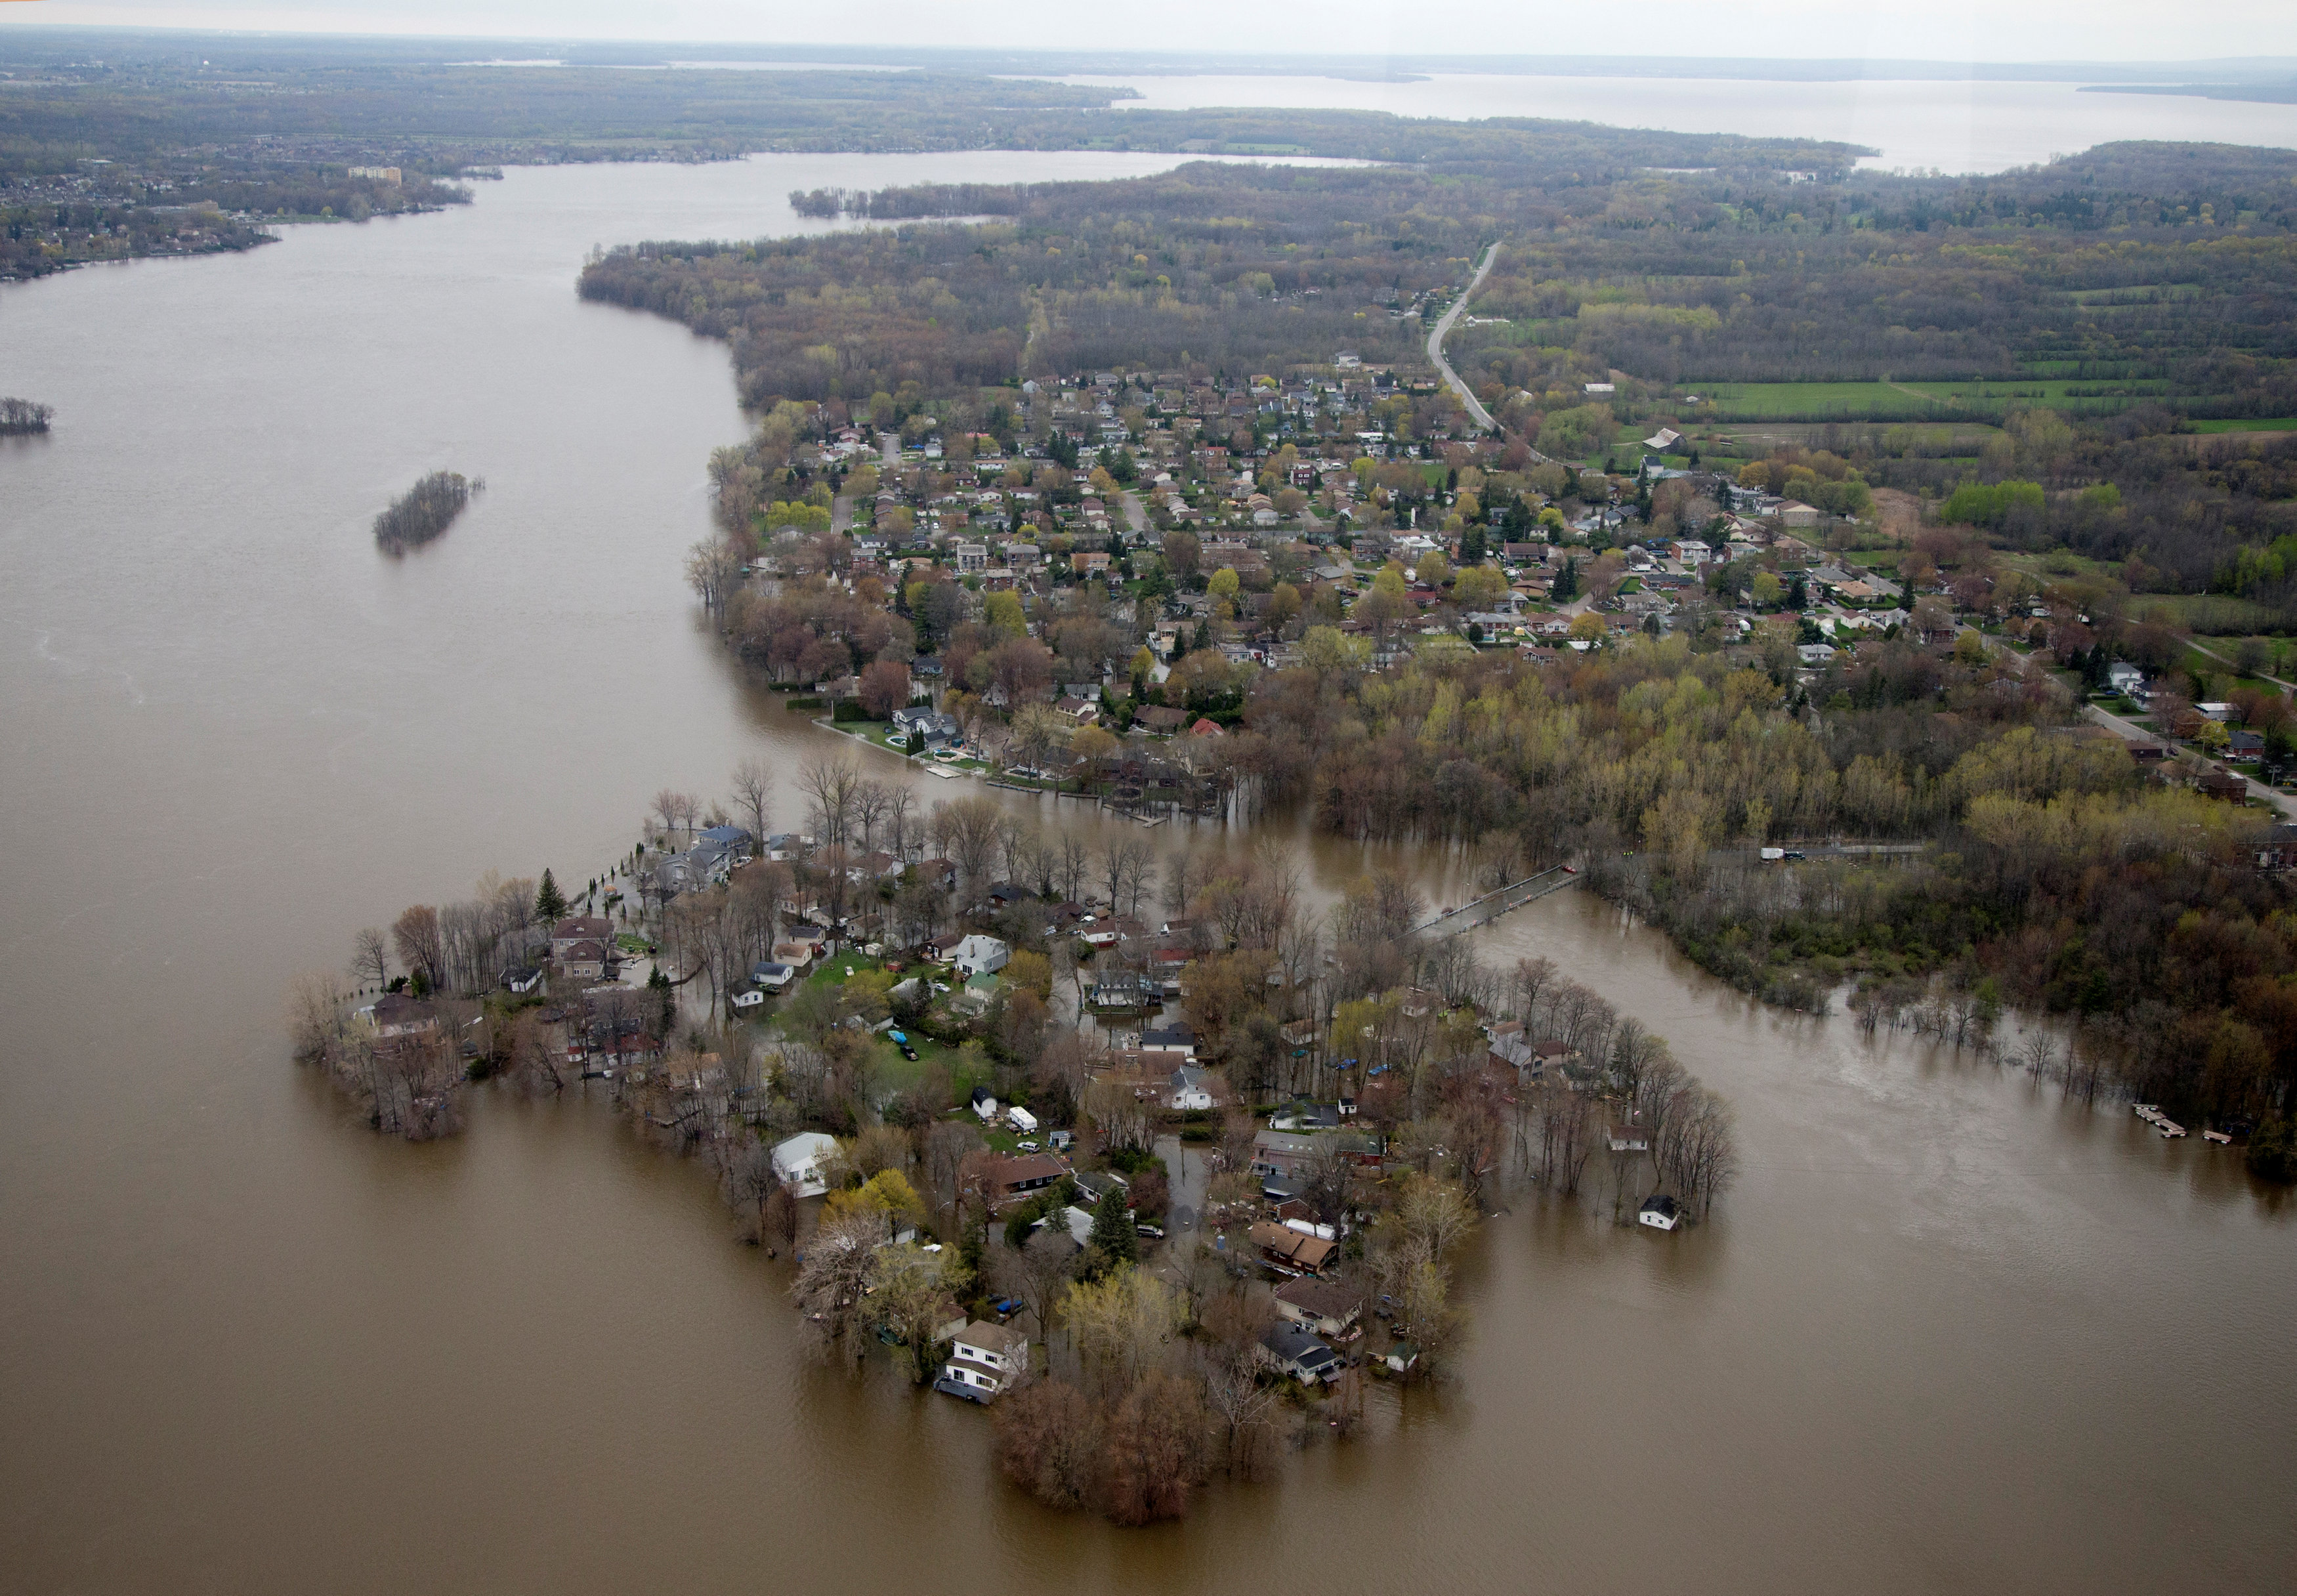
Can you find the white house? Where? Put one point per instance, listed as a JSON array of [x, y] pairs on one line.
[[1174, 1045], [980, 956], [1189, 1088], [1661, 1212], [1076, 1220], [801, 1162], [1630, 1139], [2123, 677], [984, 1360]]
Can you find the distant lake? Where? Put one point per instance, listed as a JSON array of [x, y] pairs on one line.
[[1953, 127]]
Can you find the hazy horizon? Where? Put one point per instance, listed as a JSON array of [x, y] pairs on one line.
[[2119, 33]]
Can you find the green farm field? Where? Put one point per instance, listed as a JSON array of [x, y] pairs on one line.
[[1911, 401]]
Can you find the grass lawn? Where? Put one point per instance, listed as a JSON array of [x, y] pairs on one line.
[[899, 1074], [2277, 424], [2223, 619]]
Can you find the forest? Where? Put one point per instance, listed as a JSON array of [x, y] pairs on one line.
[[2132, 272], [2056, 877]]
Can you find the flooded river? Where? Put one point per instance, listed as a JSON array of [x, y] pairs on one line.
[[1948, 1334]]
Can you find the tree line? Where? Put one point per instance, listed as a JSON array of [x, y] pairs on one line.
[[424, 511]]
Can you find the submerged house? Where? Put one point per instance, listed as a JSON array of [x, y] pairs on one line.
[[985, 1360], [802, 1162]]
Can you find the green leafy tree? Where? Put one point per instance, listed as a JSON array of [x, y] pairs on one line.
[[550, 903]]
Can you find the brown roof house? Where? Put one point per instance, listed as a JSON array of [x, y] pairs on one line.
[[1293, 1252], [1320, 1306], [985, 1360], [1011, 1177]]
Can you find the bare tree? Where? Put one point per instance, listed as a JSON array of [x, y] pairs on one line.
[[1016, 844], [1228, 1361], [753, 788], [315, 1016], [2037, 1051], [900, 834], [1124, 866], [1037, 1271], [415, 935], [676, 810], [750, 1181], [948, 1143], [870, 799], [831, 1282], [370, 958], [830, 783], [970, 827], [1070, 858], [713, 569]]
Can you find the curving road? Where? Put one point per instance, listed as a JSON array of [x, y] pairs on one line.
[[2132, 733], [1435, 344]]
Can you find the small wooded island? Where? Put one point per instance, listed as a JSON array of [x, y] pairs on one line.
[[19, 417], [425, 510]]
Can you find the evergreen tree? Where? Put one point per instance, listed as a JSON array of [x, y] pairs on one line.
[[1113, 1241], [1204, 634], [1798, 593], [550, 903], [1567, 586]]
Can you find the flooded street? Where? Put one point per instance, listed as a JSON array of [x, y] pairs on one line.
[[1947, 1334]]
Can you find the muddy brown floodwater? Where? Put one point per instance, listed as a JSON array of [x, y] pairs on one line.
[[1949, 1334]]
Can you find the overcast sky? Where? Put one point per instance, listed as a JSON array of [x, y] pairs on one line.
[[1984, 31]]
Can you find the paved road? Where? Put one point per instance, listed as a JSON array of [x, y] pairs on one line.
[[1435, 344], [2258, 791]]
